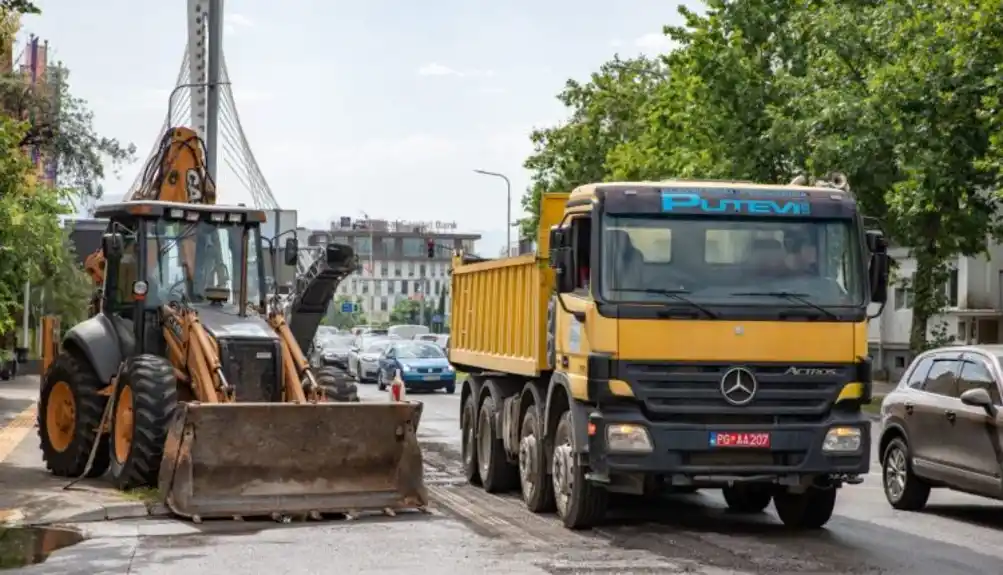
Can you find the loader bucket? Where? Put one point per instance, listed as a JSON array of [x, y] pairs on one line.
[[255, 459]]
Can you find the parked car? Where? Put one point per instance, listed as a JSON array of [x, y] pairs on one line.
[[941, 426], [333, 350], [422, 366], [365, 359], [439, 339]]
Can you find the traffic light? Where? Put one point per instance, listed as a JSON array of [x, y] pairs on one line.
[[431, 248]]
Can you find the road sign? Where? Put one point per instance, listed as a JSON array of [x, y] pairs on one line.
[[347, 307], [436, 318]]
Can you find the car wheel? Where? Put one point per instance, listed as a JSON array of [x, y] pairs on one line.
[[903, 489]]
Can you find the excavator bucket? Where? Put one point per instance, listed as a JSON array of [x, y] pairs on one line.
[[262, 459]]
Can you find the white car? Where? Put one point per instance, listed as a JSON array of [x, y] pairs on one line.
[[364, 360]]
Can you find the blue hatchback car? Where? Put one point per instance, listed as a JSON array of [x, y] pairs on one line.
[[423, 366]]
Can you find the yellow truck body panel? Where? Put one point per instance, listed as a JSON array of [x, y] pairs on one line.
[[499, 307]]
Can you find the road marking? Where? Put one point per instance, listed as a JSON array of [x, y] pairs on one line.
[[14, 432]]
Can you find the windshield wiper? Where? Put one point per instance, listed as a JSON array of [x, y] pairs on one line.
[[792, 296], [674, 293]]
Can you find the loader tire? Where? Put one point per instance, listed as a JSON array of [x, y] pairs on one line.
[[337, 386], [69, 414], [146, 401]]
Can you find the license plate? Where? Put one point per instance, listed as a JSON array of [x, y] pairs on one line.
[[718, 439], [431, 378]]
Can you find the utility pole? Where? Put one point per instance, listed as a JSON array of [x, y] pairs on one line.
[[215, 26]]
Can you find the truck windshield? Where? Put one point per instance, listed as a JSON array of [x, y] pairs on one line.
[[187, 258], [733, 261]]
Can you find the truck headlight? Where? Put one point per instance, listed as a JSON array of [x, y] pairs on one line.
[[627, 437], [842, 440]]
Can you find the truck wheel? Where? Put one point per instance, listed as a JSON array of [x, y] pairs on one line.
[[468, 416], [747, 498], [146, 400], [497, 474], [580, 504], [537, 488], [69, 415], [809, 510], [336, 386]]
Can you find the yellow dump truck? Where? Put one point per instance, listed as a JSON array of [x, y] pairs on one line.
[[673, 336]]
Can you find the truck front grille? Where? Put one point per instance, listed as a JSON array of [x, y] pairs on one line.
[[251, 367], [691, 392]]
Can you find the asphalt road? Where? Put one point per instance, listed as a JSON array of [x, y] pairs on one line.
[[956, 534], [470, 531]]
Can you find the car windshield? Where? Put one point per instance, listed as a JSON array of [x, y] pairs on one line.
[[734, 261], [336, 343], [191, 258], [418, 351], [377, 347]]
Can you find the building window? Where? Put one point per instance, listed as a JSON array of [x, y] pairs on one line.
[[438, 287], [410, 269], [388, 246], [365, 287], [468, 246], [390, 287], [383, 304], [396, 267], [413, 247], [404, 288], [384, 268], [421, 270], [903, 297], [363, 245], [339, 240]]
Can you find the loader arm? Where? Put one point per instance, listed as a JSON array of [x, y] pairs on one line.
[[194, 355], [297, 379]]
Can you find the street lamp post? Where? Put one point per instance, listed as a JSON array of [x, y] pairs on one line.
[[508, 205]]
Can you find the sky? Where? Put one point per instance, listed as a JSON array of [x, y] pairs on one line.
[[383, 107]]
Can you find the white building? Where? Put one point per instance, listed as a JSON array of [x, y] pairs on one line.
[[975, 308], [395, 261]]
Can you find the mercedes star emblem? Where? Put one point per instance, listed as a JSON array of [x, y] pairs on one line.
[[738, 386]]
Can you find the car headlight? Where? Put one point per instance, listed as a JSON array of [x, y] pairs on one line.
[[405, 367], [449, 368], [842, 440], [628, 438]]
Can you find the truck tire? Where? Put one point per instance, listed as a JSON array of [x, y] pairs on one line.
[[468, 417], [747, 498], [337, 386], [146, 401], [537, 487], [580, 504], [497, 474], [809, 510], [70, 408]]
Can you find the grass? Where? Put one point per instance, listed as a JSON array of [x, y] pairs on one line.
[[874, 407], [143, 494]]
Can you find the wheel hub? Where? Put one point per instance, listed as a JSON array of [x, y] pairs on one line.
[[484, 444], [895, 474], [61, 416], [527, 463], [563, 481]]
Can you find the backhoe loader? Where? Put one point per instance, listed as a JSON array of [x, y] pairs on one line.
[[184, 379]]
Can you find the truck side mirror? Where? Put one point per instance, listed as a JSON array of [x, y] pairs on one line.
[[880, 266], [113, 246], [291, 252], [558, 240]]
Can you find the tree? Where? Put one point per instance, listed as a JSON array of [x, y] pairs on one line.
[[66, 292], [408, 311], [341, 320], [602, 115], [62, 127]]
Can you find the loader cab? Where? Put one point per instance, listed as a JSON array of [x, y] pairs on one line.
[[165, 253]]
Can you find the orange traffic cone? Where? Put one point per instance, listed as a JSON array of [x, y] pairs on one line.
[[397, 390]]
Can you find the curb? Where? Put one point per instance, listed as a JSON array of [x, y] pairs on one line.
[[109, 512]]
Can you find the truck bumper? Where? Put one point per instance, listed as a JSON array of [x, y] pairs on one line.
[[686, 451]]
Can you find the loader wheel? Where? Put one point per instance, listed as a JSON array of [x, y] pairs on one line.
[[146, 400], [69, 415], [497, 474], [336, 386], [580, 503]]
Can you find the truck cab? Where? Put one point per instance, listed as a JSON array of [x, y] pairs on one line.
[[699, 335]]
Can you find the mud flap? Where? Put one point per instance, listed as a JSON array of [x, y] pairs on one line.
[[253, 459]]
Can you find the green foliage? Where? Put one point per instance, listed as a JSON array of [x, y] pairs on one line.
[[904, 98], [62, 126], [341, 320], [408, 311], [66, 292]]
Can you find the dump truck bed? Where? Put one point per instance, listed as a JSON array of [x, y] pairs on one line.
[[499, 307], [499, 315]]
